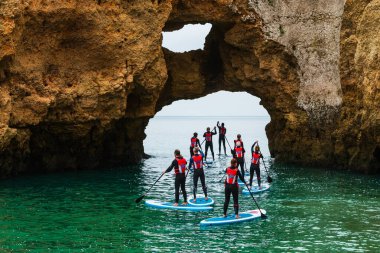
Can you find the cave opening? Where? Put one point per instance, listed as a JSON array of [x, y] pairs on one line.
[[173, 126], [189, 37]]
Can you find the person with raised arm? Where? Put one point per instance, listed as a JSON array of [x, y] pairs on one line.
[[255, 164], [222, 136]]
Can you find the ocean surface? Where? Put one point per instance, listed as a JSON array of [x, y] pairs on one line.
[[315, 210]]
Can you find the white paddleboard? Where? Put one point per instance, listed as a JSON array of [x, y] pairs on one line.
[[255, 188], [170, 205], [201, 202], [230, 219]]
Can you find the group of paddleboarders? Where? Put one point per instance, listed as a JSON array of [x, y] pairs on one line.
[[197, 164]]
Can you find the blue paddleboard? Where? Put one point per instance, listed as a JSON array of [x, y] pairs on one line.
[[209, 164], [256, 189], [201, 202], [240, 183], [230, 219], [169, 205]]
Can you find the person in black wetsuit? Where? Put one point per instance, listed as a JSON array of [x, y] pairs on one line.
[[179, 166], [194, 142], [231, 186], [238, 154], [255, 164], [196, 161], [222, 136], [208, 136], [238, 139]]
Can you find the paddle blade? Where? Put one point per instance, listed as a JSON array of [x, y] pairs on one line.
[[139, 199], [269, 179], [263, 216]]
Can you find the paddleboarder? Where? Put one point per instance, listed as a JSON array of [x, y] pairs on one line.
[[196, 161], [194, 142], [222, 136], [208, 137], [238, 154], [232, 187], [240, 140], [179, 166], [255, 164]]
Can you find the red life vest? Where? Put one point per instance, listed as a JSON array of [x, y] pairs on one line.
[[231, 175], [198, 161], [193, 142], [208, 136], [239, 152], [181, 168], [255, 158], [222, 131]]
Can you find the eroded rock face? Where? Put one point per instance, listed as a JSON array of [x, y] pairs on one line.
[[79, 80]]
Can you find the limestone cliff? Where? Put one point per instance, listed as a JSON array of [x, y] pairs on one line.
[[79, 80]]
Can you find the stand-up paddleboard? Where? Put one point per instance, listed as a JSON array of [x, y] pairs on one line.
[[201, 202], [169, 205], [230, 219], [240, 183], [209, 164], [256, 189]]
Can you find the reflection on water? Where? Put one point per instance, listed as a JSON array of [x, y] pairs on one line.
[[314, 210]]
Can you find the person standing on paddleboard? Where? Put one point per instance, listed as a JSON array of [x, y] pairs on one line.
[[238, 154], [208, 137], [255, 164], [194, 142], [179, 166], [196, 161], [240, 140], [231, 186], [222, 136]]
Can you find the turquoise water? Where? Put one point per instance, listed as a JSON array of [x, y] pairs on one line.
[[91, 211]]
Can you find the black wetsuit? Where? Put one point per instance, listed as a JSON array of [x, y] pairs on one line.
[[180, 181], [222, 138], [192, 148], [209, 144], [198, 173], [234, 189], [241, 143], [240, 161], [255, 167]]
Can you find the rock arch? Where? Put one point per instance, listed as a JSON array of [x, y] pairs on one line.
[[80, 80]]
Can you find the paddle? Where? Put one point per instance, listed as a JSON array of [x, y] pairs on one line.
[[222, 178], [228, 142], [140, 198], [263, 216], [245, 165], [270, 180]]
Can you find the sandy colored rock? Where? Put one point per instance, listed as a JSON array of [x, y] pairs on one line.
[[79, 80]]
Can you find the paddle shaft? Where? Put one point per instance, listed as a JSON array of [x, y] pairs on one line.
[[228, 142], [262, 215], [245, 165], [265, 167], [266, 170], [140, 198]]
